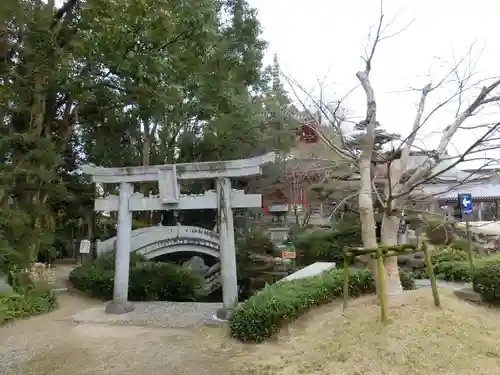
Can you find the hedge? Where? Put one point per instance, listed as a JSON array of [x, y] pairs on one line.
[[17, 305], [148, 281], [450, 264], [486, 280], [266, 312]]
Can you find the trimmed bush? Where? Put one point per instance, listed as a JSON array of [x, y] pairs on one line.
[[448, 254], [447, 270], [33, 302], [486, 280], [148, 281], [263, 314], [453, 271], [107, 260]]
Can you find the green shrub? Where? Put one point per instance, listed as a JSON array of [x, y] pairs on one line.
[[460, 243], [407, 279], [148, 281], [447, 270], [35, 302], [486, 280], [448, 254], [266, 312], [453, 271], [255, 240], [327, 245], [107, 260]]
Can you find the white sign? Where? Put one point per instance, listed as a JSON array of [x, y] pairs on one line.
[[85, 247]]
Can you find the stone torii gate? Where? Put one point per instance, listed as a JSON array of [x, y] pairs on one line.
[[169, 198]]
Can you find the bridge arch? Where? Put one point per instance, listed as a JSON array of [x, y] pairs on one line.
[[153, 242]]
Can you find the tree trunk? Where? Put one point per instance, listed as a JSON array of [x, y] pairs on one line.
[[365, 202], [367, 214], [389, 236]]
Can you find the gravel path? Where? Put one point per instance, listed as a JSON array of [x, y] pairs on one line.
[[153, 314], [53, 345]]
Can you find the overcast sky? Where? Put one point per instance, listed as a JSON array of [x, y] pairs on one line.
[[324, 39]]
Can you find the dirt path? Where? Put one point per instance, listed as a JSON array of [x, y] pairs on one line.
[[49, 345]]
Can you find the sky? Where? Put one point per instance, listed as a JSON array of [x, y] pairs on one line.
[[323, 41]]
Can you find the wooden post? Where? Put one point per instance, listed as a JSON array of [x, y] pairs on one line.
[[432, 276], [383, 287], [470, 252], [346, 280]]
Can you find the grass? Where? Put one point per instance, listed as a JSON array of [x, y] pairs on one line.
[[461, 338]]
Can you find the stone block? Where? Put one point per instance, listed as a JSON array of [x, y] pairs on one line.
[[404, 259], [468, 294], [4, 284], [309, 271]]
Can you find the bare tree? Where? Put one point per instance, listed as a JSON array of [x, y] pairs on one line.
[[392, 190]]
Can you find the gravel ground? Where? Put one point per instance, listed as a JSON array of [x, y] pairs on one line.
[[52, 344], [153, 314]]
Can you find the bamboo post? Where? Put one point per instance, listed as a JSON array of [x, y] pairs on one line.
[[432, 276], [470, 252], [346, 280], [383, 288]]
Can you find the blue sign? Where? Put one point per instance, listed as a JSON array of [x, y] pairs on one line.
[[465, 201]]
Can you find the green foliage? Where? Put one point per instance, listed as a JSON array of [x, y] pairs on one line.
[[107, 260], [148, 281], [255, 241], [461, 244], [328, 245], [453, 271], [486, 280], [407, 280], [449, 264], [447, 254], [263, 314], [35, 302], [439, 232]]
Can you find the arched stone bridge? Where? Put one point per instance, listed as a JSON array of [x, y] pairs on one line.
[[156, 241], [153, 242]]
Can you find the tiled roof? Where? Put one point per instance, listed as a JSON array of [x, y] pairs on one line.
[[485, 190]]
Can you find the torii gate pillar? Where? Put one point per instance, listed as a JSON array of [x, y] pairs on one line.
[[120, 303], [228, 271]]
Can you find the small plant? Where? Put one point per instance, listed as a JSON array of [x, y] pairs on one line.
[[33, 302]]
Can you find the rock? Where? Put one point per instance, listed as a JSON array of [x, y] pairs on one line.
[[404, 259], [468, 294], [418, 255], [4, 284], [417, 263], [196, 263]]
